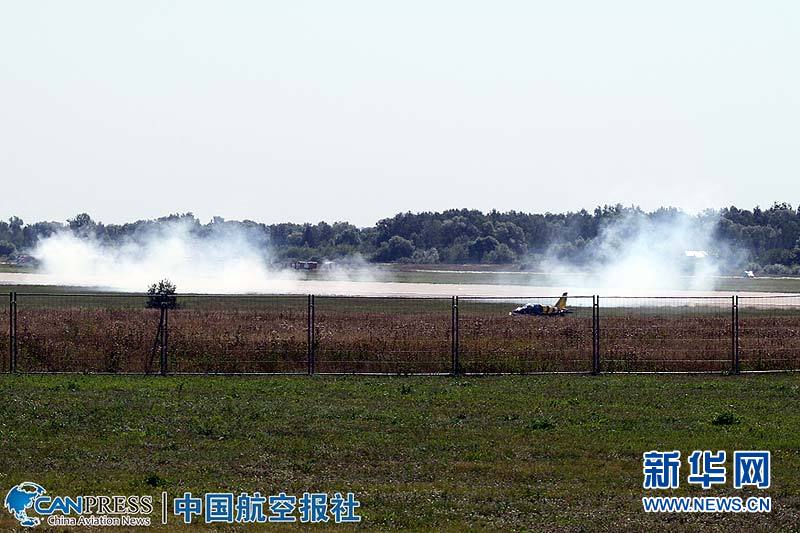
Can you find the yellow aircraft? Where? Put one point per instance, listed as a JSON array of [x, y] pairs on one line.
[[559, 309]]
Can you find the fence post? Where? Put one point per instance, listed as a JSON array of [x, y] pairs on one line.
[[456, 370], [16, 334], [312, 337], [594, 337], [164, 338], [599, 362], [595, 334], [452, 335], [11, 332], [735, 368]]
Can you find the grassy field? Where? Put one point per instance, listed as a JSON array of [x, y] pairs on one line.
[[483, 274], [474, 274], [5, 267], [539, 453]]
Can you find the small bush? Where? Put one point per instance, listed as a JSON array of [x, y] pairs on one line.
[[162, 294], [727, 418], [154, 480], [541, 423]]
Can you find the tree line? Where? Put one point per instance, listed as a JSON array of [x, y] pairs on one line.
[[765, 240]]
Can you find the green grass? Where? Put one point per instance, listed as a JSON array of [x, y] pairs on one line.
[[763, 284], [472, 274], [5, 267], [468, 275], [542, 453], [49, 289]]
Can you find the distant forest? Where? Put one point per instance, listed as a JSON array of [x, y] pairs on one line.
[[764, 240]]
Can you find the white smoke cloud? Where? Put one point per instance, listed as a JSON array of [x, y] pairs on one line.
[[217, 259], [639, 252], [224, 261], [353, 268], [634, 253]]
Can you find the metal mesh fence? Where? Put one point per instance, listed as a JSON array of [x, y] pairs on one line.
[[666, 334], [769, 332], [238, 334], [85, 333], [386, 335], [118, 333], [492, 341]]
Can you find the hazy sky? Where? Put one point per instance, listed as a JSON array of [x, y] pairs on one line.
[[340, 110]]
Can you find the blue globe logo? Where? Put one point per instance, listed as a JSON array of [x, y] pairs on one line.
[[21, 498]]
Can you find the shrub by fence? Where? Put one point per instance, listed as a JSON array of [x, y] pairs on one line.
[[260, 334]]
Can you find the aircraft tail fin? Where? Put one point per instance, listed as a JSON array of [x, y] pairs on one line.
[[562, 302]]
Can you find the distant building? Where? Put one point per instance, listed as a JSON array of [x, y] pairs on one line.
[[26, 260], [749, 274], [305, 265], [697, 254]]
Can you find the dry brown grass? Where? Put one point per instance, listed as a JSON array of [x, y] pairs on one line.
[[770, 342], [391, 336], [4, 341]]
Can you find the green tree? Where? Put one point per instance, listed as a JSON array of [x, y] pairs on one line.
[[502, 254], [394, 249], [480, 247], [7, 249]]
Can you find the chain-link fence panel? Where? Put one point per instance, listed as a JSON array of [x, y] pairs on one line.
[[238, 334], [769, 332], [382, 335], [493, 338], [666, 334], [107, 332]]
